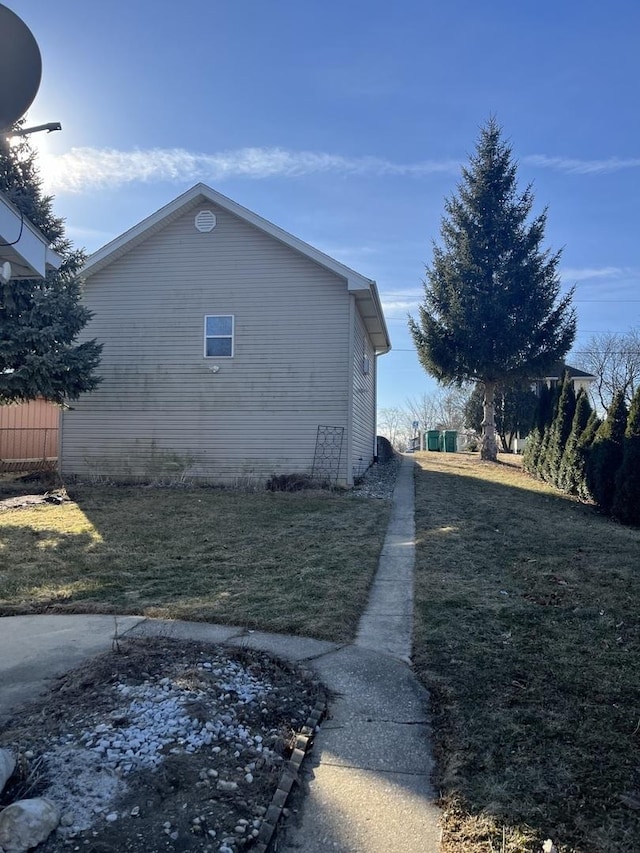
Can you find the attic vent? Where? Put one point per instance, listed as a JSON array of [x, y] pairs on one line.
[[205, 221]]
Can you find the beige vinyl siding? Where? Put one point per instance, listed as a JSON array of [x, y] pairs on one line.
[[363, 399], [161, 407]]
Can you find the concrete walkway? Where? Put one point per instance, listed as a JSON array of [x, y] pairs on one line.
[[369, 782], [386, 625], [368, 777]]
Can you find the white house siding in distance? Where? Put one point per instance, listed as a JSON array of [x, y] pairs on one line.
[[164, 410]]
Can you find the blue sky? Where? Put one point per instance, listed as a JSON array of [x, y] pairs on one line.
[[346, 123]]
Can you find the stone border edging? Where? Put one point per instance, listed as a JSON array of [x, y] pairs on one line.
[[290, 775]]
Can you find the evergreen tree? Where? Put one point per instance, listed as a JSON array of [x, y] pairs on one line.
[[559, 433], [568, 477], [41, 319], [531, 450], [541, 462], [605, 456], [515, 407], [491, 311], [626, 504], [583, 450], [542, 419]]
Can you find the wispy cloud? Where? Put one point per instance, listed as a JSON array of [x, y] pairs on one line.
[[355, 251], [576, 166], [82, 169], [355, 256], [85, 169], [395, 302], [76, 233], [575, 274]]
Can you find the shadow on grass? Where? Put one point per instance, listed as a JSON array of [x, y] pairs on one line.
[[527, 636], [43, 569]]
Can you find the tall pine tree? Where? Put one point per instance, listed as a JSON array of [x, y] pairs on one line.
[[492, 311], [41, 319], [514, 409]]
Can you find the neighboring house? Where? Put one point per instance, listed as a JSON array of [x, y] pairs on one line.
[[233, 351], [555, 375], [579, 378]]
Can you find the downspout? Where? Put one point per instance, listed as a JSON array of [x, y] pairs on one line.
[[349, 454], [59, 466], [375, 406]]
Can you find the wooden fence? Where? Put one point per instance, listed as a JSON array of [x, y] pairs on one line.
[[28, 434]]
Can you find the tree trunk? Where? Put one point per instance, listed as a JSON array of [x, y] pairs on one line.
[[488, 446]]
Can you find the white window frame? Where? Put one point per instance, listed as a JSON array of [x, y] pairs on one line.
[[232, 336]]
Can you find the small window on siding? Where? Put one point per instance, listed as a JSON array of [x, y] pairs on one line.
[[218, 336]]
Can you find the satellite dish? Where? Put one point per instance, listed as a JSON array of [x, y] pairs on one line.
[[20, 67]]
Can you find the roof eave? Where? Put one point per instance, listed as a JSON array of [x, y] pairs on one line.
[[372, 315], [25, 246]]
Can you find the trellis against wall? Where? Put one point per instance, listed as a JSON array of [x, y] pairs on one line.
[[326, 459]]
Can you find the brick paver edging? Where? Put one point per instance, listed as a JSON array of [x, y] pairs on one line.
[[290, 775]]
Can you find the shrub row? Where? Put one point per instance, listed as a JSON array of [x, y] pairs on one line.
[[570, 447]]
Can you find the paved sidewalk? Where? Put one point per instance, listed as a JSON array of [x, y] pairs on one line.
[[368, 778], [387, 624], [369, 782]]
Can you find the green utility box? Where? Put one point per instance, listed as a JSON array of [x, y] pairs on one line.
[[433, 439], [450, 440]]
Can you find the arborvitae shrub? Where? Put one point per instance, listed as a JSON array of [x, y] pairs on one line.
[[626, 504], [605, 456], [534, 440], [560, 431], [568, 478], [531, 450], [542, 470], [583, 449]]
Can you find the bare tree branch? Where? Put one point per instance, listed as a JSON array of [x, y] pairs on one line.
[[614, 359], [394, 423]]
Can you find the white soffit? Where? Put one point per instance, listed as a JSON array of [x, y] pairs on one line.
[[26, 248]]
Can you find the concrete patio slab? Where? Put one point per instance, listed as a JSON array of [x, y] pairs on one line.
[[34, 650]]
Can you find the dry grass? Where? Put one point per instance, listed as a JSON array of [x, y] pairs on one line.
[[527, 634], [269, 561]]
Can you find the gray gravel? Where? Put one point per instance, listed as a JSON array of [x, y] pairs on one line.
[[161, 742], [150, 720], [378, 481]]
